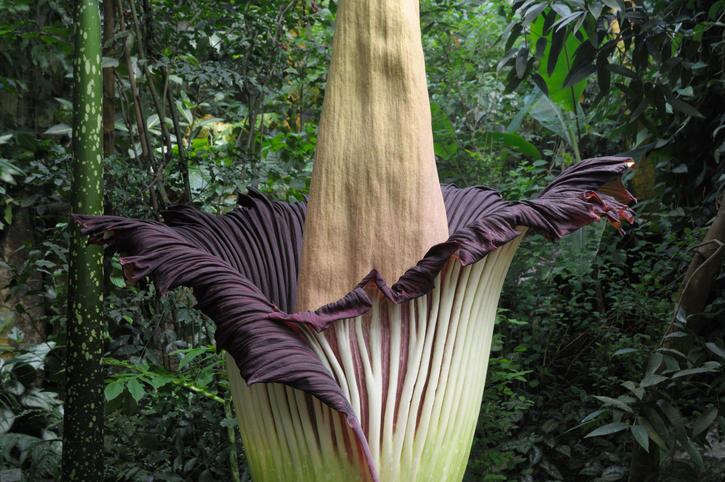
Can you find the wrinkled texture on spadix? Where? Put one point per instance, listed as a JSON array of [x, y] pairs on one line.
[[243, 265]]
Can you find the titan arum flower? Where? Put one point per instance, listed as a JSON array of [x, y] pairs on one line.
[[335, 374]]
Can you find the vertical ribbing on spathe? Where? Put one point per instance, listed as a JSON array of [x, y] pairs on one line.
[[414, 374]]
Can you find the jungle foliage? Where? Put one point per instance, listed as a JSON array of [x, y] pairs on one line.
[[592, 356]]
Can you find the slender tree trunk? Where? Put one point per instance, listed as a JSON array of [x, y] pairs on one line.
[[703, 269], [83, 423]]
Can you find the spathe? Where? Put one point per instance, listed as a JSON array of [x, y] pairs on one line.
[[243, 267]]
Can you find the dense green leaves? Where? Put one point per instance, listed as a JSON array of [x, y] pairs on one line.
[[564, 321]]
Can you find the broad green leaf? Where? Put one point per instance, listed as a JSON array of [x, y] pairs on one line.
[[557, 62], [657, 423], [553, 117], [610, 428], [568, 19], [205, 377], [210, 120], [229, 423], [637, 391], [640, 435], [113, 390], [595, 9], [562, 9], [681, 315], [617, 5], [533, 13], [656, 437], [540, 82], [654, 362], [190, 464], [13, 387], [7, 419], [704, 421], [714, 9], [190, 356], [159, 381], [152, 120], [136, 389]]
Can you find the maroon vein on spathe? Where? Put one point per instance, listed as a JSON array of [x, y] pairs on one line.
[[243, 265]]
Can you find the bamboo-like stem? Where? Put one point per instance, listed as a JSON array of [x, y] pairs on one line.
[[179, 140]]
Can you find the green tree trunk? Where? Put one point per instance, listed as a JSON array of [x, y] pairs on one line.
[[83, 424]]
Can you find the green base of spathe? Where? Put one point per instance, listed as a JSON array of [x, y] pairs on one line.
[[419, 415]]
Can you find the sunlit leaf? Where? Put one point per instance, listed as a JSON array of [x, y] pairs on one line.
[[136, 389], [114, 389], [556, 63], [59, 129]]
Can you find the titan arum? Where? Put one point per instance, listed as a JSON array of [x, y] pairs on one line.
[[335, 374]]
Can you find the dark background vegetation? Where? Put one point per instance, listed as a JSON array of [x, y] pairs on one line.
[[597, 364]]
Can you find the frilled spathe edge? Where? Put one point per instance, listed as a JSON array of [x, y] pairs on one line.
[[243, 266], [481, 221]]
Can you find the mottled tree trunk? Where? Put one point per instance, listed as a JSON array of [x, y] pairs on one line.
[[703, 269], [83, 423]]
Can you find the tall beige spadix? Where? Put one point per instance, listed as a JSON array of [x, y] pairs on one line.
[[375, 199]]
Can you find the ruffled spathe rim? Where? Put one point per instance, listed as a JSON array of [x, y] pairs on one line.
[[243, 265]]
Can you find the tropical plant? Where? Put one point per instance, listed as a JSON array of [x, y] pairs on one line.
[[83, 417], [373, 356], [30, 418]]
